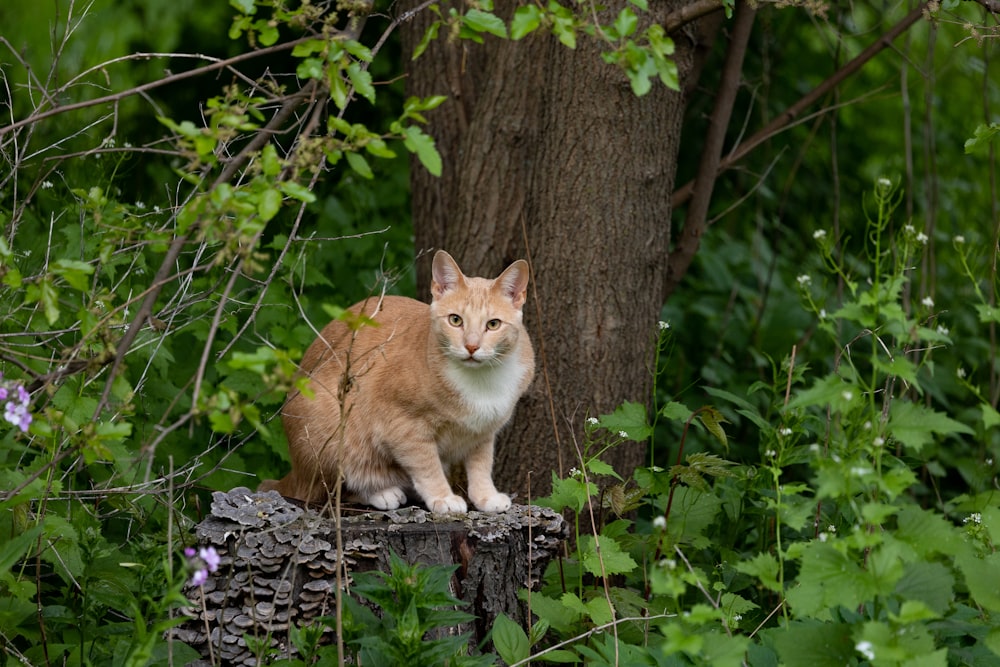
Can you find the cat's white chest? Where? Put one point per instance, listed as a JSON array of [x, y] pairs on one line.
[[487, 394]]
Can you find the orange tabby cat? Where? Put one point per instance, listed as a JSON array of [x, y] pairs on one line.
[[427, 387]]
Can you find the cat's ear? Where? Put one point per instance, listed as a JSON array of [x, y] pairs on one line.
[[513, 282], [445, 274]]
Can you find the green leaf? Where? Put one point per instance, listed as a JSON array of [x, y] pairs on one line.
[[595, 551], [429, 36], [629, 418], [268, 204], [359, 164], [74, 272], [982, 137], [571, 492], [421, 144], [296, 191], [828, 579], [481, 21], [361, 79], [245, 6], [713, 419], [599, 467], [676, 411], [510, 640], [526, 20], [915, 425], [763, 566], [813, 644], [626, 23], [310, 68], [991, 417]]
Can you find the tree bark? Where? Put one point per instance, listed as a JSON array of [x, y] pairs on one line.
[[278, 566], [548, 155]]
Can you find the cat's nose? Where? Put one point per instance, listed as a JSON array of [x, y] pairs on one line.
[[472, 348]]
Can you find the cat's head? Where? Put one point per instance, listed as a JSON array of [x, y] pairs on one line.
[[477, 321]]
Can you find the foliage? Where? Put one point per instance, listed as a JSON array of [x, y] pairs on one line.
[[409, 619], [168, 251], [834, 543]]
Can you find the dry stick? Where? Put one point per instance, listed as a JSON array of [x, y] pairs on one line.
[[684, 193], [711, 155], [146, 309], [690, 12], [173, 78]]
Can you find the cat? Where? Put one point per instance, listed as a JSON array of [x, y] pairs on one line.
[[423, 387]]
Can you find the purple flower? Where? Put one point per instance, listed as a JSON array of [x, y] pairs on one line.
[[199, 578], [211, 558], [190, 552], [16, 409]]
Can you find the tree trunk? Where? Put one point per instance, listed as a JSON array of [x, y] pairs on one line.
[[548, 155], [278, 566]]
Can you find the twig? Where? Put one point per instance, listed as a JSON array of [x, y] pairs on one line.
[[690, 12], [591, 632], [689, 238], [684, 193]]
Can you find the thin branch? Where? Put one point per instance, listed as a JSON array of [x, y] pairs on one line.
[[690, 12], [684, 193], [173, 78], [711, 155]]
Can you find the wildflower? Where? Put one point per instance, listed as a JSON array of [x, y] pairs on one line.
[[819, 234], [156, 209], [592, 421], [737, 618], [199, 577], [958, 239], [46, 185], [943, 330], [960, 372], [140, 205], [804, 279], [927, 301], [822, 313], [663, 325], [16, 407], [574, 472], [211, 558], [909, 229], [922, 238], [831, 528], [878, 441], [668, 563], [975, 517], [660, 523], [622, 434], [883, 182], [770, 453], [865, 648], [823, 537], [784, 430], [847, 395]]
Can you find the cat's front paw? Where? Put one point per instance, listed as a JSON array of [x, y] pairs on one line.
[[498, 502], [447, 505], [386, 499]]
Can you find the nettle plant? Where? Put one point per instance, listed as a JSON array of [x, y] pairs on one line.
[[835, 546]]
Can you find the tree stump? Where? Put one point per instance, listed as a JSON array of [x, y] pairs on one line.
[[278, 565]]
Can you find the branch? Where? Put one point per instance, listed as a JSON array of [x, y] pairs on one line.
[[173, 78], [697, 213], [684, 193], [694, 11]]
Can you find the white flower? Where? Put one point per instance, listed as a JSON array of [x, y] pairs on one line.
[[660, 523], [960, 372], [958, 239], [878, 441], [819, 234], [622, 434], [909, 229], [884, 182], [927, 301], [942, 329], [668, 563], [770, 453], [865, 648], [975, 517], [784, 430], [822, 313], [592, 421], [823, 537], [737, 618], [804, 279], [140, 205], [859, 471], [574, 472], [831, 528], [156, 209], [663, 325], [922, 238], [847, 395], [46, 185]]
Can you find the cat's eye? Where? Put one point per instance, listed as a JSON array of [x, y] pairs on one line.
[[455, 320], [493, 325]]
